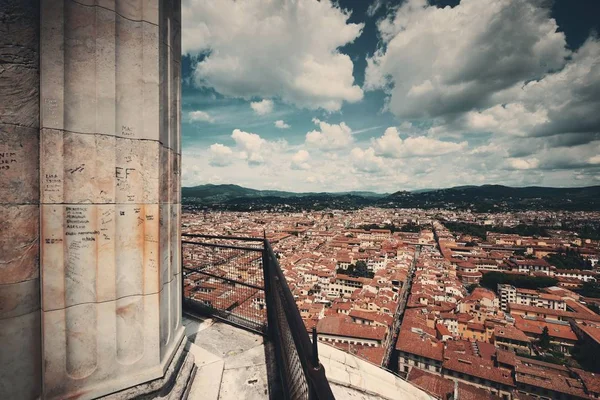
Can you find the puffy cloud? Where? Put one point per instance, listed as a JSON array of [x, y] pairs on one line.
[[374, 7], [511, 119], [300, 160], [330, 136], [522, 163], [566, 158], [561, 105], [366, 160], [281, 124], [251, 146], [220, 155], [273, 48], [263, 107], [570, 98], [392, 145], [440, 61], [200, 116]]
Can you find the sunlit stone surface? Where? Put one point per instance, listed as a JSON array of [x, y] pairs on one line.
[[89, 170]]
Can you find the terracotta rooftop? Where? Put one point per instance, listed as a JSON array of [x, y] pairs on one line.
[[341, 326], [510, 332], [478, 367], [421, 345], [442, 387]]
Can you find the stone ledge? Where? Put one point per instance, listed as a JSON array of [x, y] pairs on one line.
[[172, 386]]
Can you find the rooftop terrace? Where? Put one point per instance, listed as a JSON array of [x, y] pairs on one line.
[[234, 363]]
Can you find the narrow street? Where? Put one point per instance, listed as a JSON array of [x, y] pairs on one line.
[[389, 360]]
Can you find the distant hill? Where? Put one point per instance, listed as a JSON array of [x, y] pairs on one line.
[[497, 198], [222, 193], [477, 198]]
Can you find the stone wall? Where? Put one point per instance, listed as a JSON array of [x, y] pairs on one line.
[[96, 142], [20, 360]]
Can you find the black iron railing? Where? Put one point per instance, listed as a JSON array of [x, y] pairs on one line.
[[239, 280], [223, 277]]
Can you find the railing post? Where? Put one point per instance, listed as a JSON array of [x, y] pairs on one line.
[[268, 288], [315, 342]]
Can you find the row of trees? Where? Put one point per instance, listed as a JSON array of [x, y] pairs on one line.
[[590, 289], [491, 280], [409, 227], [480, 230], [569, 259], [358, 270]]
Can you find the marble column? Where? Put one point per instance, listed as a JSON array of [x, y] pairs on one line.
[[110, 209], [90, 155], [20, 359]]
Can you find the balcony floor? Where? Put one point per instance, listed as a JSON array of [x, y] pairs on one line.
[[232, 364]]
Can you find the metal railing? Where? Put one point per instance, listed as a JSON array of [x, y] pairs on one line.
[[239, 280], [225, 279]]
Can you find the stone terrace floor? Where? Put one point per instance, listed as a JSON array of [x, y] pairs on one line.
[[232, 365]]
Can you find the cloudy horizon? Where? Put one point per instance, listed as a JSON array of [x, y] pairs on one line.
[[386, 96]]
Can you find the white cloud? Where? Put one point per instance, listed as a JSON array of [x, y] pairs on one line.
[[374, 7], [220, 155], [392, 145], [595, 160], [439, 61], [366, 160], [510, 119], [522, 163], [562, 103], [266, 48], [200, 116], [263, 107], [300, 160], [251, 146], [330, 136], [494, 71], [361, 168], [281, 124]]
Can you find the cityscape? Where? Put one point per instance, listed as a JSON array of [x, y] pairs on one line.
[[436, 296], [300, 199]]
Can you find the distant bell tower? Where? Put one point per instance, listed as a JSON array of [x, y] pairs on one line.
[[90, 155]]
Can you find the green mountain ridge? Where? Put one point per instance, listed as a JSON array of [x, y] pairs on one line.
[[483, 198], [225, 192]]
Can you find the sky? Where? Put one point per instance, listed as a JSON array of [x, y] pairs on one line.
[[306, 95]]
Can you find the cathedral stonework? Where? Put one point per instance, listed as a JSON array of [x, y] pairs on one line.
[[90, 156]]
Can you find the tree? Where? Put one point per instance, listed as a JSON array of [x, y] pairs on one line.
[[569, 259], [491, 280], [545, 339], [361, 269], [590, 289], [358, 270], [472, 287], [594, 307]]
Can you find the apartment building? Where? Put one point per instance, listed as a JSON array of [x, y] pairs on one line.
[[509, 294]]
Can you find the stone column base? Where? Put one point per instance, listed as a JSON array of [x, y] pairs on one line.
[[174, 385]]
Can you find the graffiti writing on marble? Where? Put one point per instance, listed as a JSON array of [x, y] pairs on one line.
[[52, 183], [78, 224], [106, 217], [50, 109], [123, 173], [126, 130], [8, 159], [76, 169]]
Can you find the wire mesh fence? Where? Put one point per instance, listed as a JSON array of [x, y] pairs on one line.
[[225, 280]]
